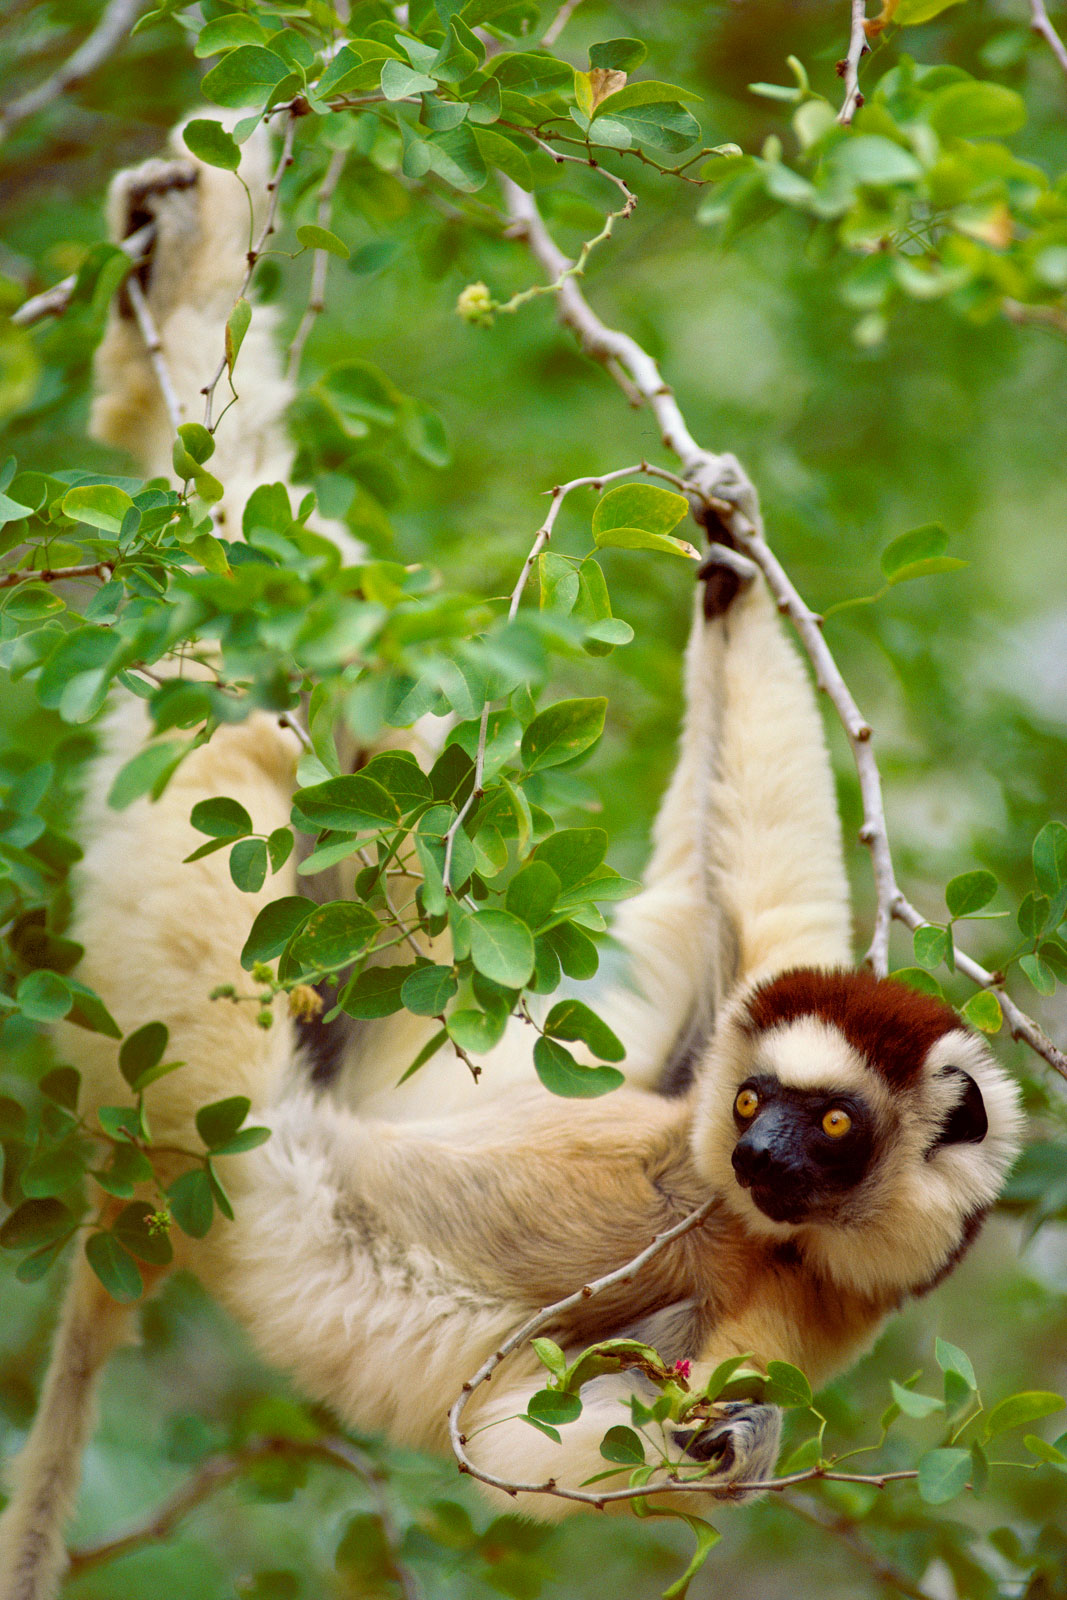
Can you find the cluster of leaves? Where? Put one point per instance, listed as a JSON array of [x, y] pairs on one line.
[[48, 1148], [921, 186], [942, 1471], [444, 104], [1041, 951]]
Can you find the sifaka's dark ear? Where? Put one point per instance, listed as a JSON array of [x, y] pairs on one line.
[[967, 1122]]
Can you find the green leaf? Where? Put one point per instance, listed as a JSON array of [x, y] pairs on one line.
[[910, 13], [624, 1446], [226, 33], [637, 539], [400, 777], [430, 1048], [315, 238], [550, 1355], [706, 1538], [1018, 1409], [1044, 1451], [574, 854], [52, 1172], [246, 1139], [931, 944], [664, 125], [786, 1385], [35, 1223], [554, 1406], [428, 989], [210, 142], [950, 1358], [131, 1229], [983, 1011], [127, 1168], [350, 804], [146, 771], [62, 1086], [498, 151], [1033, 914], [279, 848], [641, 506], [919, 544], [248, 864], [115, 1267], [943, 1474], [577, 953], [1050, 858], [334, 935], [374, 993], [12, 1118], [44, 996], [274, 927], [245, 77], [141, 1051], [237, 325], [532, 893], [460, 55], [570, 1019], [1039, 973], [872, 159], [502, 947], [90, 1012], [647, 92], [976, 110], [563, 731], [100, 505], [562, 1075], [969, 892], [219, 1121], [476, 1031], [221, 818], [191, 1203], [399, 81], [617, 55], [722, 1375], [915, 1405]]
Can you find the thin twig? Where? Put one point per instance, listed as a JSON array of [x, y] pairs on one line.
[[110, 32], [53, 302], [558, 23], [96, 569], [668, 1485], [154, 346], [707, 472], [274, 190], [1039, 316], [219, 1470], [543, 535], [850, 67], [844, 1530], [1040, 24], [319, 266]]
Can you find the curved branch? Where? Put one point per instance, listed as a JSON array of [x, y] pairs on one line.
[[53, 302], [720, 476], [850, 67], [1040, 24], [110, 32]]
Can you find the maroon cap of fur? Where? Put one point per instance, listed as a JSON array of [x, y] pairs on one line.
[[890, 1024]]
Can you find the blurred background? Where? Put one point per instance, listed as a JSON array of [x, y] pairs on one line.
[[963, 677]]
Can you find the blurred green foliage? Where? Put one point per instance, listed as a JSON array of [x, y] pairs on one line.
[[829, 305]]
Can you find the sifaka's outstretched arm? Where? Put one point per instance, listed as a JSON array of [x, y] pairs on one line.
[[746, 877]]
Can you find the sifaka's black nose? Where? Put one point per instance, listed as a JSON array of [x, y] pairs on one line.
[[767, 1152]]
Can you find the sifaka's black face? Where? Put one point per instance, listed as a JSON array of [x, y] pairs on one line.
[[800, 1151]]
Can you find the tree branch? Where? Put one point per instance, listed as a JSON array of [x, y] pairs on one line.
[[842, 1529], [319, 266], [1040, 24], [274, 190], [53, 302], [220, 1470], [154, 346], [850, 67], [96, 569], [110, 32], [721, 477]]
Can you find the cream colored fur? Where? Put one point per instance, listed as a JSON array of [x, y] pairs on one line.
[[388, 1237]]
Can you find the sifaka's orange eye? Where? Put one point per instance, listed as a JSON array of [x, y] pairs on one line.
[[836, 1123], [747, 1103]]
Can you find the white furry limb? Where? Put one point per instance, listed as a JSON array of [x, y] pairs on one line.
[[32, 1554], [708, 472]]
